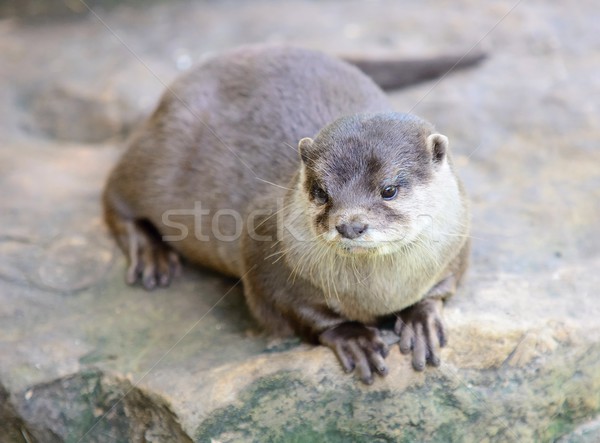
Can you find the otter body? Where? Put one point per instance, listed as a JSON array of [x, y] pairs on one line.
[[328, 234]]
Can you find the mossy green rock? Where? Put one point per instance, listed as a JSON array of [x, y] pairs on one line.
[[537, 403], [90, 406]]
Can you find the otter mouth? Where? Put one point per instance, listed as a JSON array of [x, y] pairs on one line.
[[357, 248]]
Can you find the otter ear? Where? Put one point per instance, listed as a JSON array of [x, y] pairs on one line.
[[437, 144], [304, 147]]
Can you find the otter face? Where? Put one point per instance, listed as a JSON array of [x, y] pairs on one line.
[[370, 181]]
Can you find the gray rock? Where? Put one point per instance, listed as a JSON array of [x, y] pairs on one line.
[[12, 427], [73, 263], [91, 406], [523, 361], [585, 433], [66, 113]]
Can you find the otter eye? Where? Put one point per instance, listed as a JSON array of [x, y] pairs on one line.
[[389, 192], [320, 195]]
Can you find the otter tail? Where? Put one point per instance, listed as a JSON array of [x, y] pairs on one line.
[[394, 74]]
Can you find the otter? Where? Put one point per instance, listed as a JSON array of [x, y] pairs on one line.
[[288, 169]]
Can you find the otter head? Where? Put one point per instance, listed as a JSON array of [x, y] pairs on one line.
[[371, 182]]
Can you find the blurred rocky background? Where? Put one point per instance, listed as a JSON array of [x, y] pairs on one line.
[[84, 358]]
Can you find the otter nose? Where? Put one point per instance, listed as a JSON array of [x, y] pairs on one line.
[[352, 229]]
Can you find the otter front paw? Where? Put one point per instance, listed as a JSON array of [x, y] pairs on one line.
[[357, 346], [419, 327]]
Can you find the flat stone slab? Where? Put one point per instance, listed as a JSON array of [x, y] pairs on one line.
[[84, 357]]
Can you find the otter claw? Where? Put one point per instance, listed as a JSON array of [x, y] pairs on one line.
[[357, 347], [417, 326]]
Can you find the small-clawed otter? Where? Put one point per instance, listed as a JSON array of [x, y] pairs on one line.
[[365, 220]]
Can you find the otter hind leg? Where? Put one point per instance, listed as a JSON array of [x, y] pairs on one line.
[[151, 261]]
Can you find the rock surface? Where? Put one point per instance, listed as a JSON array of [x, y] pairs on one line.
[[188, 363]]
